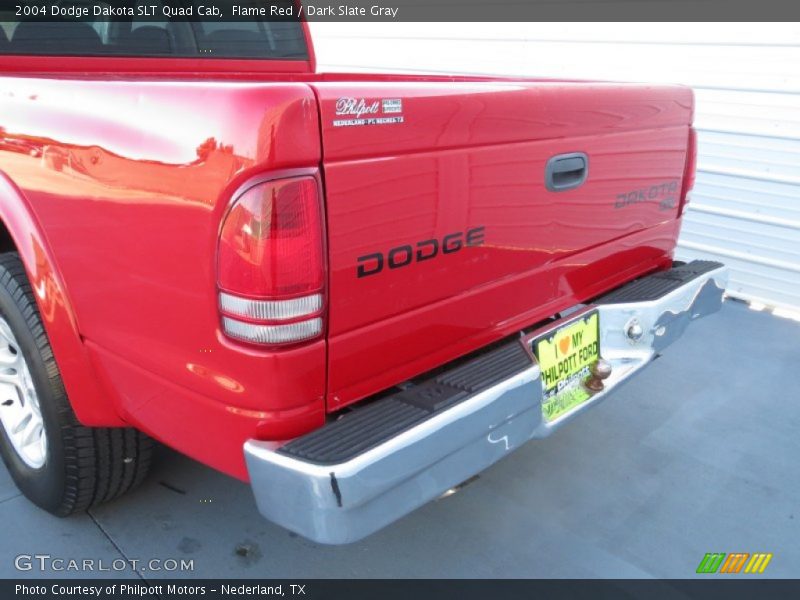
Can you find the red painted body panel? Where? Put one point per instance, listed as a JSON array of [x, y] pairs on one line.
[[116, 174], [55, 307], [473, 155], [459, 114], [129, 180]]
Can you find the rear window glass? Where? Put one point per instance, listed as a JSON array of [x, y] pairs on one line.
[[179, 37]]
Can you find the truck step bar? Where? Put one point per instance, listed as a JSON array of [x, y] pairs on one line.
[[383, 460], [653, 287], [367, 427]]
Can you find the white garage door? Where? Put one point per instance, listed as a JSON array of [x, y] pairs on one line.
[[745, 209]]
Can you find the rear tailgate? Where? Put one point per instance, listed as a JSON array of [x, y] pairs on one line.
[[443, 235]]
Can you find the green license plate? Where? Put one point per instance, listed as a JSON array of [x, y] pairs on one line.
[[565, 356]]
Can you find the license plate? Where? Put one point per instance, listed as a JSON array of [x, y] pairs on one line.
[[565, 356]]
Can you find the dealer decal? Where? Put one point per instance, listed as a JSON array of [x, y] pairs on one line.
[[363, 111]]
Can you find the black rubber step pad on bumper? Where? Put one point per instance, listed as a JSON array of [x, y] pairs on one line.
[[367, 427], [659, 284]]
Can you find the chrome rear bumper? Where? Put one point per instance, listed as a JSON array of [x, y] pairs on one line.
[[341, 501]]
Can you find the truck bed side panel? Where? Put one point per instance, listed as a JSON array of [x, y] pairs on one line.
[[129, 180]]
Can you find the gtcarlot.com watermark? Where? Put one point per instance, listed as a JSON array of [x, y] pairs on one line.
[[48, 563]]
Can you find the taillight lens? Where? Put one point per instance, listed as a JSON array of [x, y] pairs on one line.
[[271, 265], [689, 170]]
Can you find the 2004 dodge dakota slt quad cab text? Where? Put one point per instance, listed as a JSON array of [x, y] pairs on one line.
[[352, 291]]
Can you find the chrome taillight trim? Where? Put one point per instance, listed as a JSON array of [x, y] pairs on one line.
[[272, 334], [270, 310]]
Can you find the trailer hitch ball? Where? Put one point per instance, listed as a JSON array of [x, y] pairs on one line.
[[600, 370]]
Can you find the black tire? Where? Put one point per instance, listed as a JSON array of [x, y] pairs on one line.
[[83, 466]]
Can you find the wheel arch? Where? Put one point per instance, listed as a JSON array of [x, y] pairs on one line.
[[20, 231]]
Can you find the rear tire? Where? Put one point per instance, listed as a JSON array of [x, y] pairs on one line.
[[58, 464]]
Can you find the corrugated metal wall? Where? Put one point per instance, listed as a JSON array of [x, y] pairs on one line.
[[745, 208]]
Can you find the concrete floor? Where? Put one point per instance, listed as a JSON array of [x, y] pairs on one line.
[[701, 453]]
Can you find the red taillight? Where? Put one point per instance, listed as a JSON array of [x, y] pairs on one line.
[[271, 265], [689, 169]]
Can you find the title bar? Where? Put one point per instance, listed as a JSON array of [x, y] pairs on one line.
[[405, 10]]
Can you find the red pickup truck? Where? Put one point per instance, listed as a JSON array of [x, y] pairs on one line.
[[352, 291]]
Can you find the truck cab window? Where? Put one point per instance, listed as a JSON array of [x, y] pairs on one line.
[[136, 35]]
